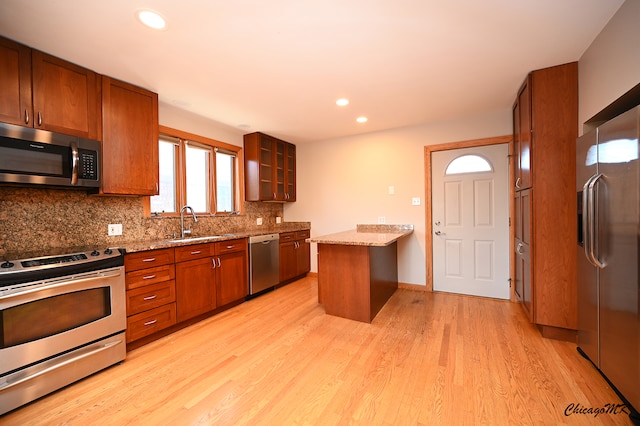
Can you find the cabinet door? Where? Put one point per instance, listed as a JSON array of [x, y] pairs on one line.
[[303, 255], [290, 172], [288, 260], [523, 148], [130, 139], [279, 171], [195, 288], [267, 168], [65, 97], [232, 277], [15, 83]]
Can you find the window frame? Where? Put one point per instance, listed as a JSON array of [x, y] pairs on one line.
[[238, 184]]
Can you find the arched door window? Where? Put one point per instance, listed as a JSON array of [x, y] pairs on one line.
[[468, 164]]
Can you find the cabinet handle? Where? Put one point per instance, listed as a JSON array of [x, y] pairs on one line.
[[26, 116], [218, 262], [196, 252], [149, 277], [151, 259], [518, 183], [150, 322], [153, 296], [230, 247], [519, 248], [213, 260], [39, 119]]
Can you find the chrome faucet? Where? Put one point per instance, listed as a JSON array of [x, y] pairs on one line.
[[184, 231]]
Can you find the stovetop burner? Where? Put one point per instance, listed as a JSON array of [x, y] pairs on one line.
[[45, 267]]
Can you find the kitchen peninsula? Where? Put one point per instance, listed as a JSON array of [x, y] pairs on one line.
[[358, 269]]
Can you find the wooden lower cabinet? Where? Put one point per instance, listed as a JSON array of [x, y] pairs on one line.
[[169, 286], [218, 276], [195, 288], [151, 292], [295, 254], [232, 270]]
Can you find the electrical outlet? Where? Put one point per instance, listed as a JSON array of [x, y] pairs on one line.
[[114, 229], [415, 201], [259, 221], [382, 220], [278, 219]]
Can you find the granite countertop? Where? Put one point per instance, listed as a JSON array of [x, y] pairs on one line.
[[366, 235], [136, 246]]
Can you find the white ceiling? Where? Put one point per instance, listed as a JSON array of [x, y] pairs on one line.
[[278, 66]]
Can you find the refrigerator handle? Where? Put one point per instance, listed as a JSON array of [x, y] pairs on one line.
[[591, 224], [585, 220]]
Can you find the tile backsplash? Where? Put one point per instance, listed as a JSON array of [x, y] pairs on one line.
[[34, 219]]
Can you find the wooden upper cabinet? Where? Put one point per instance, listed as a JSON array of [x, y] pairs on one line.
[[15, 83], [130, 139], [45, 92], [270, 168], [522, 135], [65, 97]]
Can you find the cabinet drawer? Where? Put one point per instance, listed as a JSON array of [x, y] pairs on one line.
[[149, 322], [287, 236], [303, 235], [196, 251], [230, 246], [151, 296], [148, 276], [148, 259]]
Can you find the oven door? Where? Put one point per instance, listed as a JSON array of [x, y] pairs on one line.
[[44, 319]]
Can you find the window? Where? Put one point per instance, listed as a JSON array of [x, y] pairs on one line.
[[198, 172], [468, 164]]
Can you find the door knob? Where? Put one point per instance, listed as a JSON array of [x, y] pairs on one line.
[[438, 233]]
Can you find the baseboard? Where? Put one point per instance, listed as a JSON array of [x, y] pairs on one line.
[[412, 287], [558, 333]]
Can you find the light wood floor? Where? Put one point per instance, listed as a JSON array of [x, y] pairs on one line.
[[427, 358]]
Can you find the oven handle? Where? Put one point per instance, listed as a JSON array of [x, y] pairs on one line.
[[61, 364], [51, 284]]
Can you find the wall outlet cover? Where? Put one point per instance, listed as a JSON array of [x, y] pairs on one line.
[[382, 220], [415, 201], [114, 229], [259, 221]]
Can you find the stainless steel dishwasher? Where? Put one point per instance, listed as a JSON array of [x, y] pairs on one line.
[[264, 262]]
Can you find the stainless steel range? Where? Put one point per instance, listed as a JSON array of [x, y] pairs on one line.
[[62, 318]]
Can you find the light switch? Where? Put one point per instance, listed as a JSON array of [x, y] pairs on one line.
[[392, 190]]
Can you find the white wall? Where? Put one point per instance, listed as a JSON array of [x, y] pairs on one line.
[[180, 119], [344, 182], [611, 65]]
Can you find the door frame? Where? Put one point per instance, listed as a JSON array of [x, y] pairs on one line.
[[428, 206]]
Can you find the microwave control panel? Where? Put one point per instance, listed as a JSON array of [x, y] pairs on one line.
[[88, 164]]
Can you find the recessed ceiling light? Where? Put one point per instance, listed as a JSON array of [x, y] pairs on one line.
[[342, 102], [151, 19], [361, 119]]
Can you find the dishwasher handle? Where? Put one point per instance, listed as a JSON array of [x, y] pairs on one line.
[[264, 239]]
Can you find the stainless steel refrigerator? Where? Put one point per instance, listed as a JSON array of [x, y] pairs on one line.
[[608, 188]]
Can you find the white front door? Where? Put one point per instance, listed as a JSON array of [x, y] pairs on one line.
[[471, 221]]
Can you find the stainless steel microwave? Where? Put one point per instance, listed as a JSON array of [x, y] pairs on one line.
[[39, 157]]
